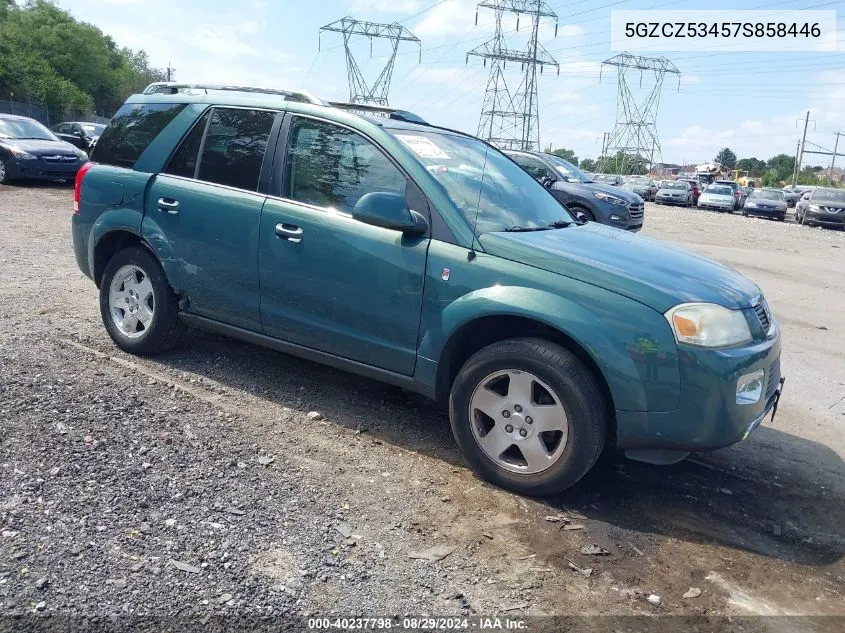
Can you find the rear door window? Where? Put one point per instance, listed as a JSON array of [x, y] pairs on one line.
[[234, 147], [131, 131], [184, 162], [533, 166]]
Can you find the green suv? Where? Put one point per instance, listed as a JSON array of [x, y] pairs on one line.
[[368, 240]]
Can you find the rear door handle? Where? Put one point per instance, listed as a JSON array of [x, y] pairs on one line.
[[168, 205], [289, 232]]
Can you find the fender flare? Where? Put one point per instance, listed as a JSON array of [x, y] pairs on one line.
[[569, 318]]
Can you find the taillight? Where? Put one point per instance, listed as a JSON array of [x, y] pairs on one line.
[[77, 187]]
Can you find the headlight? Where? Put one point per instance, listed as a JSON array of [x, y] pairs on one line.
[[606, 197], [19, 153], [815, 208], [708, 325], [83, 157], [750, 204]]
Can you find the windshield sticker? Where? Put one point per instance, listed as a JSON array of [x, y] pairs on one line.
[[422, 146]]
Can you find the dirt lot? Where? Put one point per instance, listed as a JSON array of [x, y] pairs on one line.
[[195, 483]]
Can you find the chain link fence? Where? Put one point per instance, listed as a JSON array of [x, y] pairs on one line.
[[42, 114]]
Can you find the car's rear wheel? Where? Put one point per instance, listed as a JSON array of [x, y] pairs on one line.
[[137, 304], [528, 416]]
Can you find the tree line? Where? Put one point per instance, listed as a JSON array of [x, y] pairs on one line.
[[47, 57], [778, 170]]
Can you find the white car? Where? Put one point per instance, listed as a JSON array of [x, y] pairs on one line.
[[717, 197]]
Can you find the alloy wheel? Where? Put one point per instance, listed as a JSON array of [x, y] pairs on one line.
[[131, 301], [518, 421]]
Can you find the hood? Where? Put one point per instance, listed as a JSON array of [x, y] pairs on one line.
[[763, 202], [39, 147], [671, 192], [829, 205], [586, 188], [641, 268]]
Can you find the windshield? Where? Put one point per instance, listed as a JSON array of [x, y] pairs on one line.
[[829, 195], [482, 182], [719, 190], [766, 195], [25, 128], [565, 168], [638, 182], [674, 185], [604, 178], [94, 129]]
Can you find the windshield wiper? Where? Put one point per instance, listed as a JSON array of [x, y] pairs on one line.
[[560, 224], [522, 229]]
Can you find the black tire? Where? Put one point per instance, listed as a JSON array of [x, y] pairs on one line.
[[4, 173], [578, 392], [580, 212], [165, 329]]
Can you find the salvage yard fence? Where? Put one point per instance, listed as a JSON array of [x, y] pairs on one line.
[[42, 114]]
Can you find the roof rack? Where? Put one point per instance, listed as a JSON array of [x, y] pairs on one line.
[[172, 87], [379, 111]]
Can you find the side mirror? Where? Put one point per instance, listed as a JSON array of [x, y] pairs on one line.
[[547, 181], [389, 211], [806, 196], [79, 133]]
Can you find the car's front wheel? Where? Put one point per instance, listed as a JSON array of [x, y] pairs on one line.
[[528, 416], [4, 173], [137, 304]]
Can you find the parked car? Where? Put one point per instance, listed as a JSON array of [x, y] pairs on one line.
[[792, 195], [676, 192], [29, 150], [79, 134], [644, 187], [718, 198], [822, 206], [609, 179], [739, 194], [696, 190], [586, 200], [769, 203], [425, 258]]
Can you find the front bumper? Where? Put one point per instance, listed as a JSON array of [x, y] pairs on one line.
[[40, 169], [708, 416], [775, 212], [668, 200], [716, 206], [826, 219]]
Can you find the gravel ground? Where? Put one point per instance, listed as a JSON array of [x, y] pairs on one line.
[[196, 484]]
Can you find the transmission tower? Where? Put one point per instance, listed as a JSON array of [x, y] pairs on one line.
[[359, 90], [511, 120], [634, 142]]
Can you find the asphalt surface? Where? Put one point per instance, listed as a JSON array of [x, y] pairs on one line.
[[194, 485]]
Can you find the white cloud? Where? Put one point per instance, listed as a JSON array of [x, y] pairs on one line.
[[690, 80], [570, 30], [404, 7], [581, 67], [432, 75], [455, 16]]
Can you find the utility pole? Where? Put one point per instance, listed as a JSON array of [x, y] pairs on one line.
[[359, 90], [795, 165], [510, 120], [634, 138], [801, 151], [833, 160], [170, 72]]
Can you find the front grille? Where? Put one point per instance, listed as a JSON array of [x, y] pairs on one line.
[[774, 378], [762, 310], [636, 211], [59, 159]]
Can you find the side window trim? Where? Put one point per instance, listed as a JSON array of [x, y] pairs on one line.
[[210, 112]]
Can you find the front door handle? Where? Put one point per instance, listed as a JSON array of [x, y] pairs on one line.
[[289, 232], [168, 205]]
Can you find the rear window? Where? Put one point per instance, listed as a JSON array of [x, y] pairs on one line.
[[131, 130]]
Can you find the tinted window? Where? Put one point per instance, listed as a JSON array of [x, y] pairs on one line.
[[534, 167], [330, 166], [234, 147], [184, 161], [131, 130]]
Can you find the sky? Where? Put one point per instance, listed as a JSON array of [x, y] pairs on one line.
[[751, 102]]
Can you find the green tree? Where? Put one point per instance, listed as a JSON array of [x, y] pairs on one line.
[[48, 57], [565, 154], [587, 164], [726, 157], [754, 166], [780, 167]]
